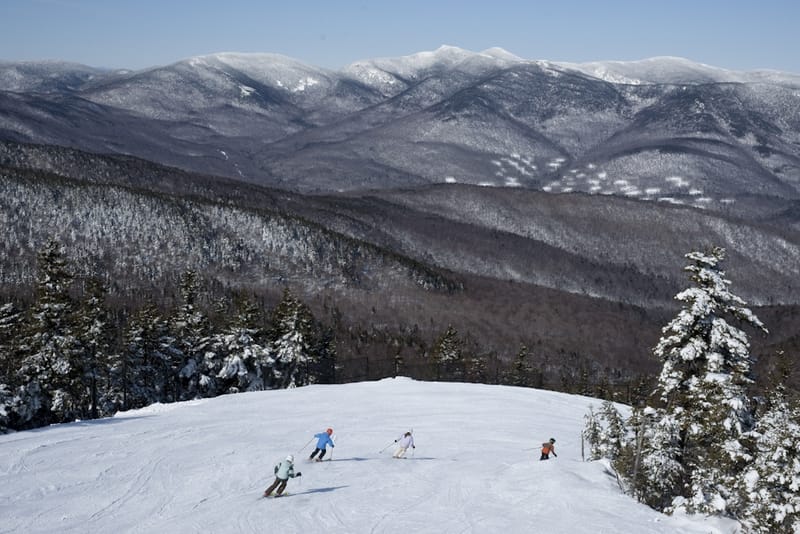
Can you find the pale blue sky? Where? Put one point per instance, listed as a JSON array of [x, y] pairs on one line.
[[732, 34]]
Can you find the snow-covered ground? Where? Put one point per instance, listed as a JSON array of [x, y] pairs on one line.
[[202, 466]]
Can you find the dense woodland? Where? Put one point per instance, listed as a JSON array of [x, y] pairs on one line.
[[69, 354]]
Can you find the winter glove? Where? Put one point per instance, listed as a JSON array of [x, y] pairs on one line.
[[299, 474], [413, 446]]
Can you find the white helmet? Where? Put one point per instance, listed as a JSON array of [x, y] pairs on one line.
[[290, 458]]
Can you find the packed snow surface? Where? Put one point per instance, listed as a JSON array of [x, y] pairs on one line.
[[201, 466]]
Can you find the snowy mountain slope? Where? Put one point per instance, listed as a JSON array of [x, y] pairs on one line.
[[675, 70], [595, 128], [46, 76], [564, 242], [202, 465], [390, 74]]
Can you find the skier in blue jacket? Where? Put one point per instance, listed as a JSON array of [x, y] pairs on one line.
[[323, 440]]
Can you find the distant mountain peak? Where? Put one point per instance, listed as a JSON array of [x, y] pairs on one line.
[[673, 70], [501, 53], [410, 66], [250, 60]]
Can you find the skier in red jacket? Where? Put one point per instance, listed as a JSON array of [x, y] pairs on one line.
[[548, 447]]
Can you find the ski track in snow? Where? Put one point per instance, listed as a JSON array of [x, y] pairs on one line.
[[202, 466]]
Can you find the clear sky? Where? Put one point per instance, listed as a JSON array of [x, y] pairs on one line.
[[732, 34]]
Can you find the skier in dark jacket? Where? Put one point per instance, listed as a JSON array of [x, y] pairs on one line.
[[323, 440], [283, 472], [548, 447]]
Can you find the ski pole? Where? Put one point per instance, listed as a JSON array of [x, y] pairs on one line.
[[304, 446], [334, 445], [386, 447]]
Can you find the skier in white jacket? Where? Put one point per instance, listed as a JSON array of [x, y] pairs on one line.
[[283, 472], [403, 443]]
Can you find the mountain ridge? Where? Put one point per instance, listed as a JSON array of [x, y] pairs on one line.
[[450, 115]]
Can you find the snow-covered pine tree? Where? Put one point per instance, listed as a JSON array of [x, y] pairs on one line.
[[95, 336], [447, 352], [130, 373], [194, 376], [770, 484], [706, 368], [10, 320], [615, 432], [8, 407], [521, 371], [291, 338], [243, 347], [477, 369], [50, 371], [326, 359], [591, 433], [584, 385], [605, 431], [657, 473], [142, 372]]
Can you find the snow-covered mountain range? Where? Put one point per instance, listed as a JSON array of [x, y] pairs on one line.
[[661, 129], [445, 187]]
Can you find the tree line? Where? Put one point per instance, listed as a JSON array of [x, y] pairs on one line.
[[68, 357], [69, 354]]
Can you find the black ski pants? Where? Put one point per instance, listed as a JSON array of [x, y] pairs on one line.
[[318, 450]]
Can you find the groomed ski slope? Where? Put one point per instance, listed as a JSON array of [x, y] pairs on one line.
[[201, 466]]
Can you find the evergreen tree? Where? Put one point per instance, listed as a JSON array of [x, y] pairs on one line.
[[50, 371], [477, 369], [291, 338], [142, 373], [129, 371], [657, 473], [193, 364], [10, 321], [8, 407], [606, 432], [591, 433], [447, 353], [521, 371], [706, 368], [584, 384], [243, 348], [614, 433], [326, 357], [603, 389], [95, 335], [770, 484]]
